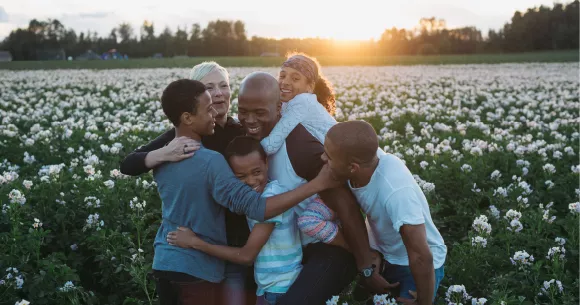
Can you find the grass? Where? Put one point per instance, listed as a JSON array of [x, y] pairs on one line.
[[553, 56]]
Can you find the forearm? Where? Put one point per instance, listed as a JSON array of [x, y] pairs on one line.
[[154, 158], [279, 204], [231, 254], [424, 276]]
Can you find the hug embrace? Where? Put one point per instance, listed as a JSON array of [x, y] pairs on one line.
[[283, 205]]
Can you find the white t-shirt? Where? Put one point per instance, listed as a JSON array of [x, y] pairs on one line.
[[392, 199]]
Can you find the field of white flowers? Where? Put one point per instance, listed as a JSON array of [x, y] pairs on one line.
[[494, 147]]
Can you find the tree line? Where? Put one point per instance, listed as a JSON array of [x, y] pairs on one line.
[[537, 29]]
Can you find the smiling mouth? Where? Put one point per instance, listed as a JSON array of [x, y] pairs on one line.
[[285, 91], [253, 130]]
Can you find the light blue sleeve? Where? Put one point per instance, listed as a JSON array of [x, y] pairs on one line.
[[296, 111], [272, 189], [405, 208]]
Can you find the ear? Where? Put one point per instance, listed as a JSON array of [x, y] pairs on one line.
[[354, 167], [186, 118]]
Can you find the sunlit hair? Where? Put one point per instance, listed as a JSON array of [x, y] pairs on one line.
[[322, 87], [201, 70]]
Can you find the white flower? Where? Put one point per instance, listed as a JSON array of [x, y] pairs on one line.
[[478, 241], [480, 301], [466, 168], [574, 207], [500, 191], [575, 169], [549, 184], [109, 184], [481, 226], [332, 301], [515, 226], [456, 294], [475, 189], [37, 224], [512, 214], [383, 299], [22, 302], [424, 164], [494, 211], [27, 184], [548, 287], [28, 159], [522, 259], [549, 168], [556, 253], [495, 175], [92, 202], [68, 286], [74, 247], [93, 222], [17, 197], [560, 241]]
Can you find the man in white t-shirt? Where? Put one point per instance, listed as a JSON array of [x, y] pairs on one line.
[[398, 218]]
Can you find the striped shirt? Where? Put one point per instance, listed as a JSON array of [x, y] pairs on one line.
[[280, 260]]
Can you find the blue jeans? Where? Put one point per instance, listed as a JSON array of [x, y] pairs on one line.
[[269, 298], [402, 274]]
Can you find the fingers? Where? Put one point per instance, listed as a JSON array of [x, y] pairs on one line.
[[183, 157], [393, 285]]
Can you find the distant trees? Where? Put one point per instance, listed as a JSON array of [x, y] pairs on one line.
[[538, 28]]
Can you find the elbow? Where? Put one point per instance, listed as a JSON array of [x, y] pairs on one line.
[[423, 260], [247, 259]]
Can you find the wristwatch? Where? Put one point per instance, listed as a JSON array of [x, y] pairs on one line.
[[367, 272]]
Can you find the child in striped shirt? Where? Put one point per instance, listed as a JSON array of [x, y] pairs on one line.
[[274, 246]]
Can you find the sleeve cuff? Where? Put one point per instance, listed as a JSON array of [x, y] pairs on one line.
[[416, 221]]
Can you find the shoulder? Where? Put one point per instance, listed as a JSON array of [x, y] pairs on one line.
[[394, 170], [273, 188]]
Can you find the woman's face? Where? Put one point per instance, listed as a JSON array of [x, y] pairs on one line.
[[219, 89], [292, 83]]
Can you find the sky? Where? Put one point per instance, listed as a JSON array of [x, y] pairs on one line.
[[338, 19]]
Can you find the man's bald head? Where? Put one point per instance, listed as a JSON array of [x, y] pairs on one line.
[[259, 104], [356, 140], [260, 84]]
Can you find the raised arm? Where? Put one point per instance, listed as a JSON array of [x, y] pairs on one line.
[[164, 148], [245, 255], [295, 113]]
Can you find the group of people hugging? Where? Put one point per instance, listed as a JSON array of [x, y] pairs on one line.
[[283, 205]]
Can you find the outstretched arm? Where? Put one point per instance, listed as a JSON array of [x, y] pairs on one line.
[[245, 255], [295, 113]]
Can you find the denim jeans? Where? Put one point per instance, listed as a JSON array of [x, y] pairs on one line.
[[402, 274], [326, 271], [397, 273], [269, 298]]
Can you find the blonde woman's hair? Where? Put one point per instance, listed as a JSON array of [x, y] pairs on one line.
[[201, 70]]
